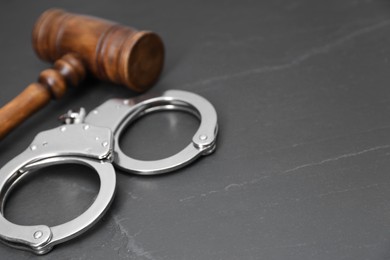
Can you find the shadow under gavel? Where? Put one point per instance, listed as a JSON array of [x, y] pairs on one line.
[[78, 44]]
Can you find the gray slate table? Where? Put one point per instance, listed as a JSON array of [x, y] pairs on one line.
[[302, 168]]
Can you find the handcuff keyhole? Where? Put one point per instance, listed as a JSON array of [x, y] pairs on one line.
[[158, 135], [52, 195]]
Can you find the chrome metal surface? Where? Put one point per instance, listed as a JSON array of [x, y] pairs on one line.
[[94, 141], [65, 144], [73, 117], [117, 114]]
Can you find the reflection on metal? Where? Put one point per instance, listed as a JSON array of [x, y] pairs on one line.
[[93, 141]]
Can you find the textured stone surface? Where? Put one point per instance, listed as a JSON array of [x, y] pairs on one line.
[[302, 165]]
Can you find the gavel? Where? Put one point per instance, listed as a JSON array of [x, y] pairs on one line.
[[78, 45]]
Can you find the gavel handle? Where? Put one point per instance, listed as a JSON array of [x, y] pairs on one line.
[[52, 84], [33, 98]]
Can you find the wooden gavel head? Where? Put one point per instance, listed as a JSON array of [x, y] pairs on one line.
[[110, 52], [79, 44]]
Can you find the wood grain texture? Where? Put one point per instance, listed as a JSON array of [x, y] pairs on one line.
[[34, 97], [78, 44], [110, 51]]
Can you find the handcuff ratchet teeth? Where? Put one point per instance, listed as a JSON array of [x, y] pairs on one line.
[[93, 141]]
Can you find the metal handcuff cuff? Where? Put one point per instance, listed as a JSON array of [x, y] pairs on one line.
[[93, 141]]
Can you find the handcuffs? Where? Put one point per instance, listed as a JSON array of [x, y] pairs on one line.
[[93, 141]]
